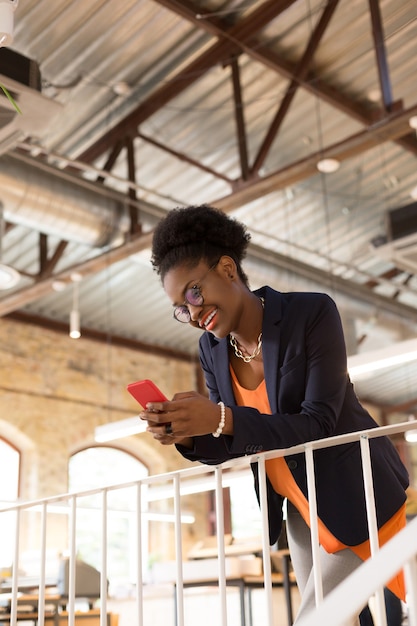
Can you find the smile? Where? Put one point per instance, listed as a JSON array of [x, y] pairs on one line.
[[208, 319]]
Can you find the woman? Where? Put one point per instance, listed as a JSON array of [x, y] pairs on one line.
[[275, 368]]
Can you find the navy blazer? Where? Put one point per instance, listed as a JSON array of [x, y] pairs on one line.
[[311, 397]]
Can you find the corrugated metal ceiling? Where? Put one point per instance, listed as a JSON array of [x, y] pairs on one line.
[[177, 113]]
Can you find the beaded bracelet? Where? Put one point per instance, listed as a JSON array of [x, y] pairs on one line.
[[222, 422]]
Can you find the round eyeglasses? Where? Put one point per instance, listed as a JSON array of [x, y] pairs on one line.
[[192, 296]]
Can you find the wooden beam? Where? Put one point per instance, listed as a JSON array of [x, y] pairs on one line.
[[300, 73], [43, 287], [240, 119], [216, 53], [381, 54], [393, 127]]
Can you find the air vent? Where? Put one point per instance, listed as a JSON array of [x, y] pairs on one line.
[[21, 77], [401, 241]]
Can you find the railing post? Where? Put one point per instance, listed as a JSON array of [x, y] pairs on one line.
[[41, 590], [314, 528], [103, 574], [72, 560], [410, 574], [15, 571], [139, 555], [220, 544], [381, 615], [178, 552], [265, 539]]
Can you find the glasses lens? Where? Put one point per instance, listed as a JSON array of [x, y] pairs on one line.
[[182, 314], [194, 296]]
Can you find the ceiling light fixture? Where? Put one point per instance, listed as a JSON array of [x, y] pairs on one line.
[[75, 331], [328, 166], [413, 122], [122, 88], [7, 8], [411, 435], [9, 277], [360, 365]]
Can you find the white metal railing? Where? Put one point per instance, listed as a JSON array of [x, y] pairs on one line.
[[368, 580]]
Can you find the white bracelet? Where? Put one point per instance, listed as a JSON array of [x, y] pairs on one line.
[[222, 422]]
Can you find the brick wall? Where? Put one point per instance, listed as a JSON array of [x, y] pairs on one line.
[[55, 390]]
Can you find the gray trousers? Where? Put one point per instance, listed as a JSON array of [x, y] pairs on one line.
[[334, 567]]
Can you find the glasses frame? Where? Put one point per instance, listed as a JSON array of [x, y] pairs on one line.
[[183, 308]]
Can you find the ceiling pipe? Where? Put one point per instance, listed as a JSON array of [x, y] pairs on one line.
[[66, 207]]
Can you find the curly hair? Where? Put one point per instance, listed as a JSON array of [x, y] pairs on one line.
[[190, 234]]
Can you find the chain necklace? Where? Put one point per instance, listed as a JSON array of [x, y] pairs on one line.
[[238, 351]]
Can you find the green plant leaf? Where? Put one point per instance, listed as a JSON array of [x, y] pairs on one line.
[[9, 97]]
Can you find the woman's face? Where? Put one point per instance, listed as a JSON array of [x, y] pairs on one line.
[[215, 288]]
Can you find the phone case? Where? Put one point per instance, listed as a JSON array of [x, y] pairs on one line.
[[145, 391]]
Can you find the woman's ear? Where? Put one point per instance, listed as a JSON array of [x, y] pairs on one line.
[[228, 267]]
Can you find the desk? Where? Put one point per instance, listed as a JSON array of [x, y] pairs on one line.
[[28, 610], [245, 585]]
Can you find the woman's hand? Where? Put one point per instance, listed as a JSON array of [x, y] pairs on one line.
[[189, 414]]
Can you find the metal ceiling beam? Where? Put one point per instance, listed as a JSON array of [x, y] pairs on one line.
[[390, 129], [256, 49], [48, 264], [43, 287], [240, 119], [229, 45], [300, 72], [183, 157], [357, 292], [103, 337], [240, 37], [381, 54]]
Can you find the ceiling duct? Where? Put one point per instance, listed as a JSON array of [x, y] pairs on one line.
[[64, 206], [400, 244], [22, 79]]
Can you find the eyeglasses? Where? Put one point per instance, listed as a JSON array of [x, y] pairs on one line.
[[192, 296]]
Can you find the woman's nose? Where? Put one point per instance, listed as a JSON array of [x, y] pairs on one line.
[[194, 312]]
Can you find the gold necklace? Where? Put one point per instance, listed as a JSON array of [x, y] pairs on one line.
[[238, 351]]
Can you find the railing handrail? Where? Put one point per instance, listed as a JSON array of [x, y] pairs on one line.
[[244, 461], [368, 579]]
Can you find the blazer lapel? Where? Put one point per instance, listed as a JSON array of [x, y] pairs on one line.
[[221, 371], [271, 334]]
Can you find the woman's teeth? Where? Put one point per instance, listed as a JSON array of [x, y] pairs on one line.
[[209, 318]]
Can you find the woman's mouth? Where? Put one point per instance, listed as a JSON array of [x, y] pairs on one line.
[[207, 322]]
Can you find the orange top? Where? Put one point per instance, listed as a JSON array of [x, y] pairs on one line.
[[283, 482]]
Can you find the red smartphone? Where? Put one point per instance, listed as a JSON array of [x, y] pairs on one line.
[[145, 391]]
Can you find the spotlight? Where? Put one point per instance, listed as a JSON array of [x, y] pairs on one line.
[[413, 122], [75, 332], [74, 329], [327, 166], [7, 8]]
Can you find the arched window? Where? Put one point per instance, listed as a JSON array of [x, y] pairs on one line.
[[9, 491], [97, 467]]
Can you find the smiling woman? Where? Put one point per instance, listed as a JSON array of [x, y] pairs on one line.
[[276, 370]]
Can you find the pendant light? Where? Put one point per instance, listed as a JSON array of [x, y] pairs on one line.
[[9, 277], [75, 329]]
